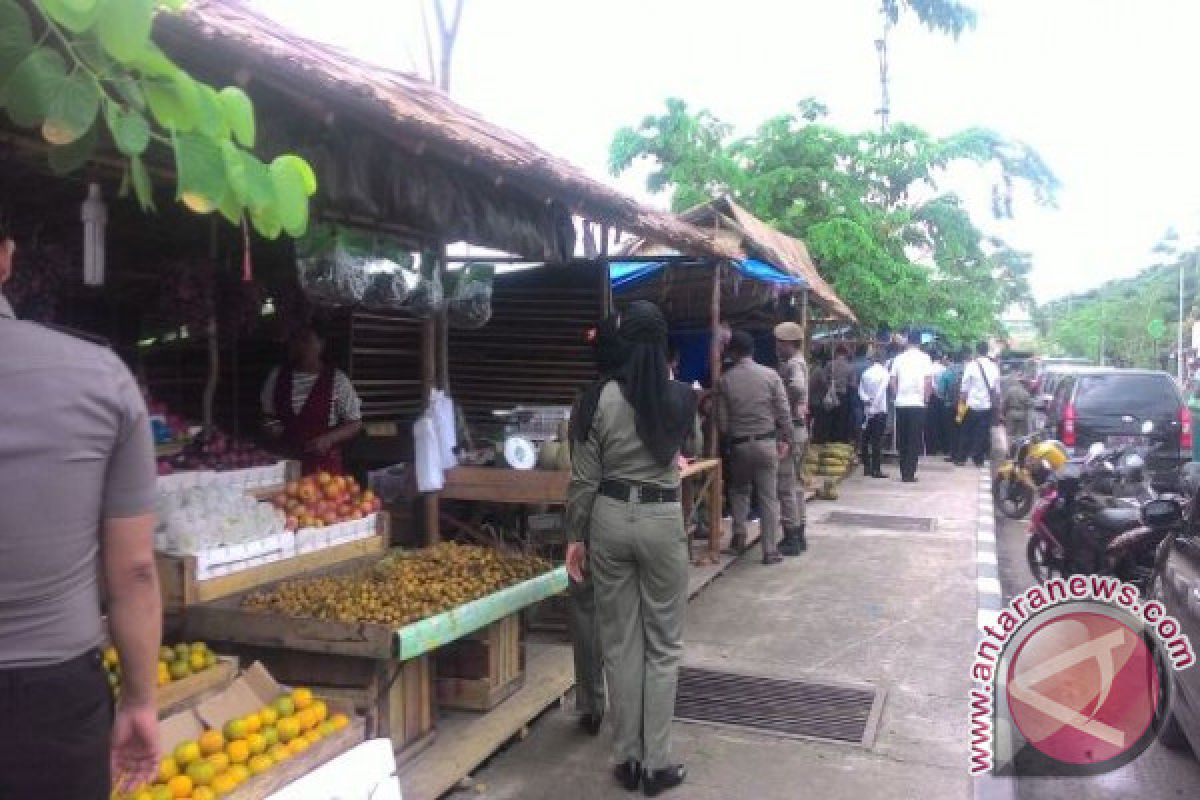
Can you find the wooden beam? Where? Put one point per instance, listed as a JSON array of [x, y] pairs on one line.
[[714, 359]]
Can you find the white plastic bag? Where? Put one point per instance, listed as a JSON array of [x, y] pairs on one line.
[[443, 416], [430, 475]]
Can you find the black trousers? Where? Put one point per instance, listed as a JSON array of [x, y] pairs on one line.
[[934, 425], [872, 444], [910, 438], [951, 430], [57, 724], [974, 438]]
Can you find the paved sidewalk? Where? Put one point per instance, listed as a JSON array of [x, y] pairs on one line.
[[894, 609]]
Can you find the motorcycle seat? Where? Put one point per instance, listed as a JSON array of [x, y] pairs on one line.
[[1118, 520]]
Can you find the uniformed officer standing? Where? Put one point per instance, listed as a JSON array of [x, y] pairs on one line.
[[624, 494], [789, 346], [753, 415]]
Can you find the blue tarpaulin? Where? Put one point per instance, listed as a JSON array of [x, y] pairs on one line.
[[625, 274]]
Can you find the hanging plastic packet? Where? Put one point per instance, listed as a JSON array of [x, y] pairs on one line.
[[470, 303]]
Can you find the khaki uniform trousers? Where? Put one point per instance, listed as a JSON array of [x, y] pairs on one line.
[[755, 467], [793, 501], [639, 567], [585, 642]]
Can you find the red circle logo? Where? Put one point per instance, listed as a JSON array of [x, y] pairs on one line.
[[1083, 688]]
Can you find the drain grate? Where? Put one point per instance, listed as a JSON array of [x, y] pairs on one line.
[[780, 707], [886, 521]]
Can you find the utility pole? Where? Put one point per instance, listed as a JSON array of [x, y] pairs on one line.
[[881, 47], [1179, 337]]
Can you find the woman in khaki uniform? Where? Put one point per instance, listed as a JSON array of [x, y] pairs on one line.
[[624, 496]]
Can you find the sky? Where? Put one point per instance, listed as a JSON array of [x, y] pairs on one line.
[[1101, 88]]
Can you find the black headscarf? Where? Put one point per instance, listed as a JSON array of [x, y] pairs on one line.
[[610, 352], [664, 408]]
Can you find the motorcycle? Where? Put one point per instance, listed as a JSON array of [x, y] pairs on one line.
[[1014, 489]]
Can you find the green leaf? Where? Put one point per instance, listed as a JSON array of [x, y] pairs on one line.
[[172, 5], [172, 102], [153, 62], [291, 196], [130, 91], [210, 118], [70, 157], [77, 16], [200, 172], [124, 28], [72, 109], [248, 177], [29, 88], [129, 130], [230, 207], [239, 114], [266, 222], [142, 188], [16, 36], [301, 168]]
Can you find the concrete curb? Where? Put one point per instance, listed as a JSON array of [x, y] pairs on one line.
[[990, 602]]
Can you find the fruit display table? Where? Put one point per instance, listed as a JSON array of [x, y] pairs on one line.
[[384, 670]]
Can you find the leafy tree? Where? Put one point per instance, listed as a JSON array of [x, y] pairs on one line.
[[86, 72], [940, 16], [868, 205]]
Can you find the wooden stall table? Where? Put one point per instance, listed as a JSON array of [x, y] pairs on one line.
[[700, 478]]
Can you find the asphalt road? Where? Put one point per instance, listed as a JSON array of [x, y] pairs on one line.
[[1158, 773]]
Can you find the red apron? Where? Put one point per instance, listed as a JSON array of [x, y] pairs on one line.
[[311, 422]]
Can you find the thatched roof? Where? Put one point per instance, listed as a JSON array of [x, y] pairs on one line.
[[416, 115], [735, 227]]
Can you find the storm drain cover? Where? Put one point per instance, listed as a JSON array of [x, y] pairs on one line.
[[890, 522], [778, 706]]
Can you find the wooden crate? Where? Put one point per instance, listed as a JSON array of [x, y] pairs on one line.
[[180, 588], [395, 698], [481, 671], [178, 694]]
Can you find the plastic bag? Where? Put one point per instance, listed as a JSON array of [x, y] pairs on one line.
[[443, 416], [470, 305], [330, 273], [345, 266], [430, 477]]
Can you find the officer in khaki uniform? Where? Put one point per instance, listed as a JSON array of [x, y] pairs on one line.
[[624, 497], [754, 419], [789, 346]]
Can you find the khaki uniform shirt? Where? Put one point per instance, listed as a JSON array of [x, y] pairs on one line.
[[612, 451], [751, 401], [75, 449], [794, 373]]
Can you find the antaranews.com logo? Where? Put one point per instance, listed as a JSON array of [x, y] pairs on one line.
[[1074, 678]]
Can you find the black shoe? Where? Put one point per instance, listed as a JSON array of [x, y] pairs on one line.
[[789, 546], [628, 774], [878, 474], [960, 463], [737, 546], [949, 460], [663, 779], [909, 479], [801, 542], [772, 559], [591, 722]]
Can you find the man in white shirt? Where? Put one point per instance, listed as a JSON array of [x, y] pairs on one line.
[[980, 380], [872, 391], [912, 384]]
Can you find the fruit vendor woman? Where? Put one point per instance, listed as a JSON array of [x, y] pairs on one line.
[[311, 407]]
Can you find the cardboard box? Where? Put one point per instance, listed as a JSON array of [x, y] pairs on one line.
[[249, 692]]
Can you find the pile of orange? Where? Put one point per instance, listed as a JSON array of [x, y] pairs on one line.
[[220, 761]]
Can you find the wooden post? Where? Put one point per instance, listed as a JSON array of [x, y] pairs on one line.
[[716, 495], [430, 337], [804, 323], [714, 360]]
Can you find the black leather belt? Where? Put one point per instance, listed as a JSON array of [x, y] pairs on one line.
[[762, 437], [625, 492]]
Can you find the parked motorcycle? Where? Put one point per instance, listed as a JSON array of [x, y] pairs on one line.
[[1015, 487]]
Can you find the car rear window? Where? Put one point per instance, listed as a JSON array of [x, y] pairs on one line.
[[1126, 394]]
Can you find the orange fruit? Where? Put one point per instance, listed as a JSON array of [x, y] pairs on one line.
[[204, 793], [236, 729], [280, 752], [270, 736], [219, 761], [143, 794], [268, 715], [289, 728], [306, 718], [240, 773], [224, 783], [180, 786], [320, 711], [167, 769], [302, 698], [253, 723], [284, 706], [257, 743], [313, 736], [186, 753], [298, 745], [211, 742], [339, 721], [238, 751], [260, 764], [327, 728], [161, 791], [201, 772]]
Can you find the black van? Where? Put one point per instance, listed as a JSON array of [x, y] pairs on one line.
[[1125, 406]]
